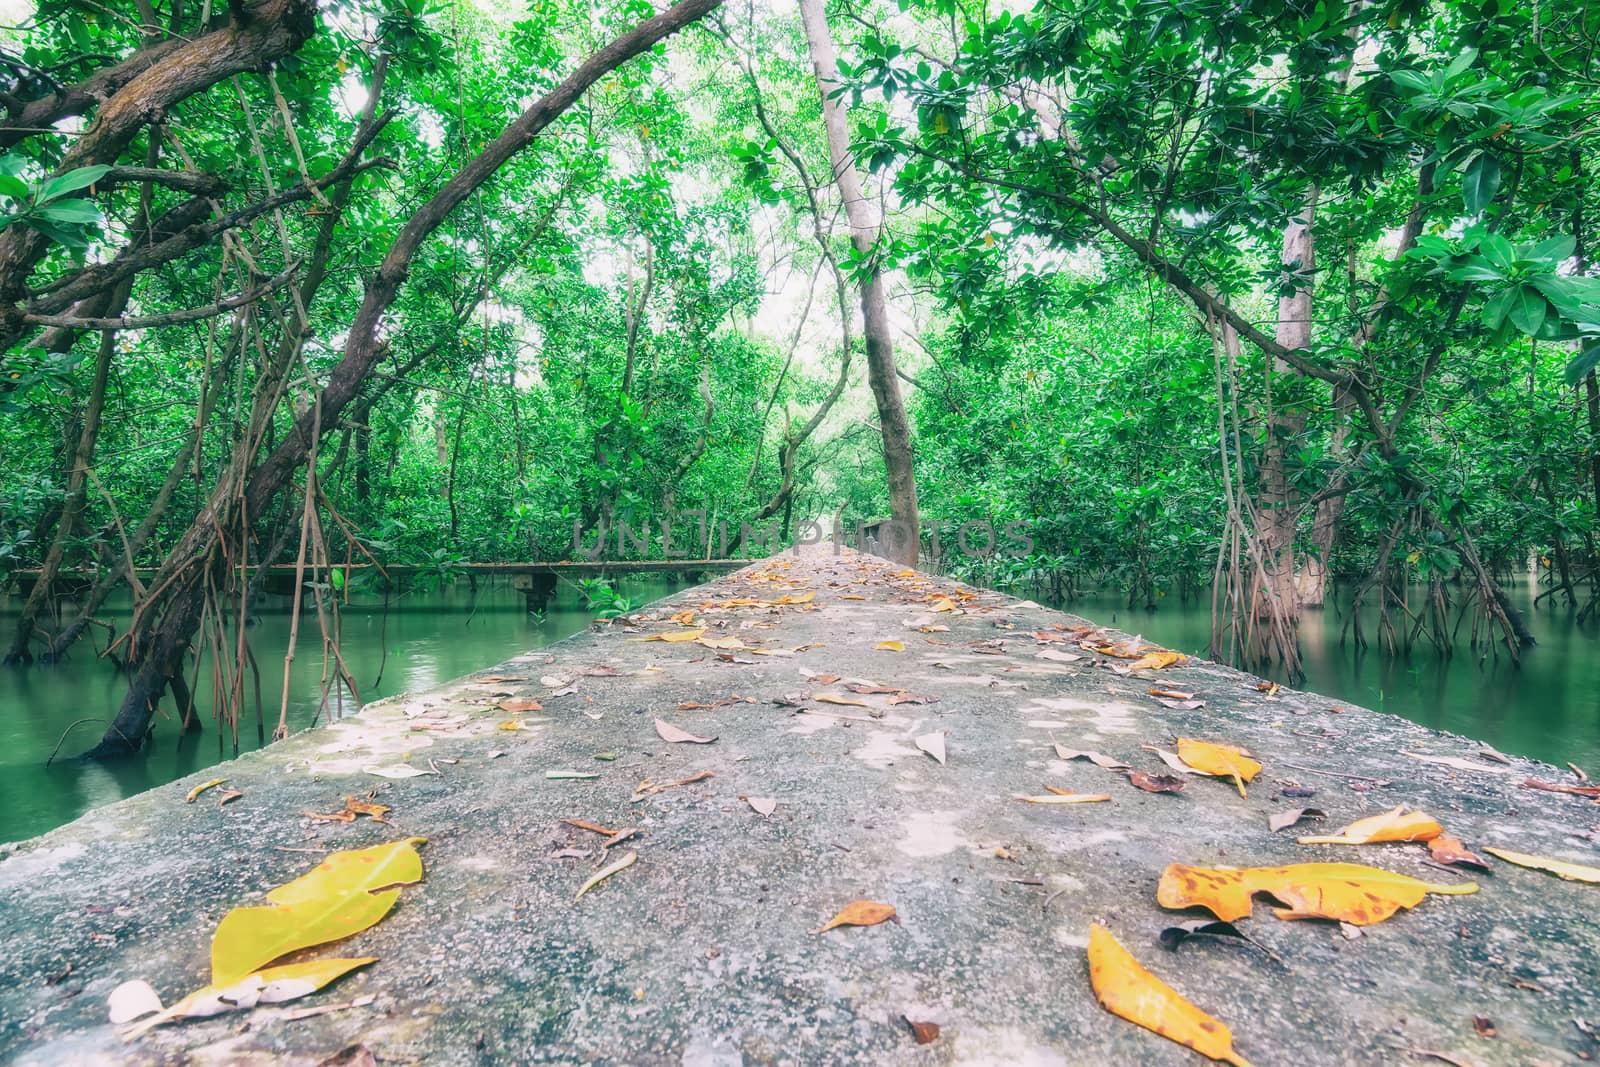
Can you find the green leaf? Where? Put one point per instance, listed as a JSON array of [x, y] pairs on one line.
[[70, 182], [1527, 309], [1480, 183], [1583, 364], [15, 188], [73, 212]]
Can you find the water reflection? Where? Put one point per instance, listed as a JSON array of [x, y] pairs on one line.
[[429, 638], [1548, 709]]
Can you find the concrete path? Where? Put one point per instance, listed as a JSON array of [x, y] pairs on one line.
[[702, 952]]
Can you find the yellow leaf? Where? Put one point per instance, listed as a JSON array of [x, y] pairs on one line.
[[944, 604], [511, 724], [346, 893], [1221, 761], [803, 598], [1155, 661], [1396, 825], [677, 635], [605, 872], [859, 913], [1126, 989], [852, 596], [890, 646], [684, 618], [1572, 872], [1347, 892], [1066, 798], [201, 788]]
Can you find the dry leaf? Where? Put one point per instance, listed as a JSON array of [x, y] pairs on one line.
[[728, 642], [133, 1000], [933, 744], [519, 705], [271, 986], [201, 788], [889, 646], [605, 872], [348, 892], [924, 1033], [510, 724], [1347, 892], [838, 698], [1222, 761], [762, 805], [1394, 825], [1181, 705], [1572, 872], [1156, 661], [590, 826], [1170, 759], [1172, 694], [227, 795], [684, 617], [1457, 763], [677, 636], [1057, 657], [872, 690], [823, 679], [563, 775], [675, 735], [1096, 758], [1450, 851], [397, 770], [1126, 989], [908, 698], [1592, 791], [1284, 819], [1156, 783], [859, 913], [1058, 796]]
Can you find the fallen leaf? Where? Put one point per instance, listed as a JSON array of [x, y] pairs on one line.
[[1572, 872], [227, 795], [519, 705], [1483, 1026], [1170, 759], [873, 690], [851, 596], [1397, 824], [1057, 656], [677, 636], [397, 770], [933, 744], [1126, 989], [489, 679], [1173, 936], [1222, 761], [1450, 851], [1172, 694], [859, 913], [133, 1000], [762, 805], [690, 705], [590, 826], [275, 985], [683, 618], [510, 724], [1340, 891], [727, 642], [1063, 797], [675, 735], [1181, 705], [837, 698], [1097, 758], [647, 787], [346, 893], [889, 646], [1457, 763], [823, 679], [605, 872], [1155, 661], [1550, 787], [924, 1033], [1284, 819], [909, 698], [563, 775], [201, 788], [1156, 783]]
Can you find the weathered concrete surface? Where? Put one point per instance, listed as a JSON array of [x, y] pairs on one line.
[[701, 953]]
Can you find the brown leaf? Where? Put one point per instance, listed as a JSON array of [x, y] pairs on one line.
[[824, 679], [908, 698], [1482, 1026], [859, 913], [1284, 819], [790, 700], [492, 678], [1171, 694], [1156, 783], [1575, 790], [518, 705], [1450, 850], [924, 1033], [868, 690], [603, 831], [225, 795], [836, 698], [676, 735]]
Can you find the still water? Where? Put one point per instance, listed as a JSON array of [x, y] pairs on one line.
[[1549, 708], [429, 637]]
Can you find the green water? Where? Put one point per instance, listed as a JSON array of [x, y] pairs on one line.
[[1549, 708], [429, 638]]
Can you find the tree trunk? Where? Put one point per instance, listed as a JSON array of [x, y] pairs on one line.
[[196, 554], [1279, 506], [881, 374]]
